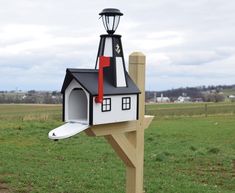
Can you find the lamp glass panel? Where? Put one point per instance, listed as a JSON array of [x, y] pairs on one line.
[[104, 22], [110, 22], [116, 22]]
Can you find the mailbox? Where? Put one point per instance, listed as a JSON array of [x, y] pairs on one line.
[[105, 94]]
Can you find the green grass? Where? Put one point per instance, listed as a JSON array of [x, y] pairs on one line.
[[182, 155], [27, 112], [190, 155]]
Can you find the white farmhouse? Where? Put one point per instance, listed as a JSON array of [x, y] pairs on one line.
[[183, 99], [231, 96], [162, 99]]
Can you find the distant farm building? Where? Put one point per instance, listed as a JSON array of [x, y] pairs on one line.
[[183, 99], [231, 98], [162, 99]]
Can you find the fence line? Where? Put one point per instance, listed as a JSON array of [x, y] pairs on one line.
[[192, 109]]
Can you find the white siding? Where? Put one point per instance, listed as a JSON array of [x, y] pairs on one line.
[[108, 49], [120, 74], [116, 114]]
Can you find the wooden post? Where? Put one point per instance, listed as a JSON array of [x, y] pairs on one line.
[[127, 138], [134, 175]]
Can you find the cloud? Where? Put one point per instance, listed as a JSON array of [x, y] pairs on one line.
[[186, 42]]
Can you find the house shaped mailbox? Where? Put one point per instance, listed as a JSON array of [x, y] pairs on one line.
[[102, 95]]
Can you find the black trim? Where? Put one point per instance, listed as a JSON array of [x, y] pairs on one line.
[[114, 71], [63, 108], [127, 103], [137, 109], [91, 110], [114, 77], [116, 41], [106, 105], [110, 35], [114, 62], [101, 53], [67, 79], [113, 50]]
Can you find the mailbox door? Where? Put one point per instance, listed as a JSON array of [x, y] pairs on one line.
[[67, 130]]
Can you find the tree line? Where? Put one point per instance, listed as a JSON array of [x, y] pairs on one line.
[[32, 97], [201, 93]]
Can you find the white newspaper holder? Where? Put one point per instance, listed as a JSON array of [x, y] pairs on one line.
[[67, 130]]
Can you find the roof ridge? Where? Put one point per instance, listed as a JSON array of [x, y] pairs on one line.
[[81, 70]]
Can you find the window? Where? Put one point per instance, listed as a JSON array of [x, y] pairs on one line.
[[106, 105], [126, 103]]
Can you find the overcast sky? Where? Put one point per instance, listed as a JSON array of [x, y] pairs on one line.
[[186, 42]]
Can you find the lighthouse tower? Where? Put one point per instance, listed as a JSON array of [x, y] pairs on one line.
[[111, 46]]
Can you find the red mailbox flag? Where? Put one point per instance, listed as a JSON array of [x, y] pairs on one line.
[[103, 62]]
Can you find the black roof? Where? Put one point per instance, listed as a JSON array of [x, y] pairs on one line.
[[88, 79]]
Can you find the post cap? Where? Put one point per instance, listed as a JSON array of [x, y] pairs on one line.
[[137, 58]]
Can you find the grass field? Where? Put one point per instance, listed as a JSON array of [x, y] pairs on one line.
[[184, 153]]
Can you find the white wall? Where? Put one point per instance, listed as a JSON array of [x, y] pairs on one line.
[[74, 103], [120, 73], [116, 114], [108, 48]]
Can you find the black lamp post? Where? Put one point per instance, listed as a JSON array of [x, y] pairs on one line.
[[111, 46], [110, 18]]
